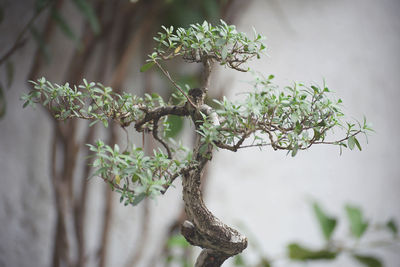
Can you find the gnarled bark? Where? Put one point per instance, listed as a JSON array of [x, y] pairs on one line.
[[203, 229]]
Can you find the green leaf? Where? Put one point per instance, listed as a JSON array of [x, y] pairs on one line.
[[357, 223], [138, 199], [326, 222], [220, 42], [26, 103], [175, 126], [63, 24], [351, 142], [224, 52], [369, 261], [295, 150], [177, 241], [317, 135], [87, 10], [135, 178], [300, 253], [147, 66], [203, 149], [392, 226], [357, 144], [93, 123], [315, 88]]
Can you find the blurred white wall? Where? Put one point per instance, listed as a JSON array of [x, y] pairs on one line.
[[352, 44]]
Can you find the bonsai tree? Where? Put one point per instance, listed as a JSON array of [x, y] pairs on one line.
[[293, 118]]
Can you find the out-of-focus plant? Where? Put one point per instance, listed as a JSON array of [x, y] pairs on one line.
[[364, 237], [84, 7], [292, 119]]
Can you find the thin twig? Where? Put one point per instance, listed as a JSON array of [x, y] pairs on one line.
[[166, 73], [155, 135]]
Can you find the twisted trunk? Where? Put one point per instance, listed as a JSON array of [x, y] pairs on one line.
[[203, 229]]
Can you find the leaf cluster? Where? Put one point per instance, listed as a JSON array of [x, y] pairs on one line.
[[135, 175], [205, 42], [358, 227], [91, 101], [130, 172], [292, 119]]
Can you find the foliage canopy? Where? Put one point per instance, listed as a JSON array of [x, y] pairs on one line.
[[292, 118]]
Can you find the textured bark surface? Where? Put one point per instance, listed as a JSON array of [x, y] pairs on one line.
[[203, 229]]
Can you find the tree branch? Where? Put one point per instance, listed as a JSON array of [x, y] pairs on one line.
[[159, 112], [156, 137], [206, 74], [166, 73]]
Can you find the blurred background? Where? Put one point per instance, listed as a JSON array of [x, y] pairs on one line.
[[52, 215]]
